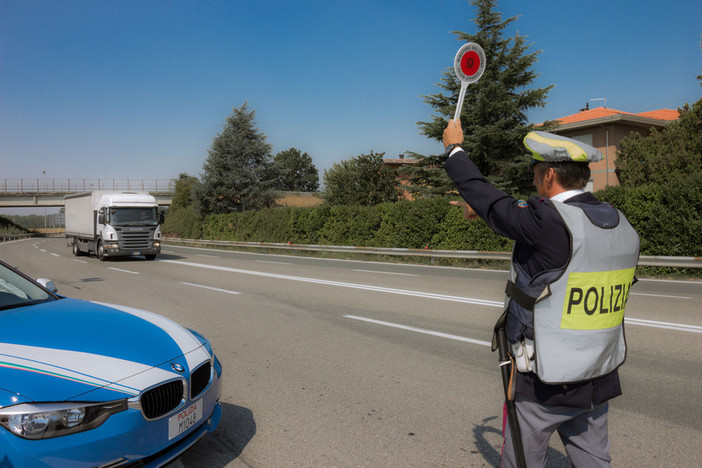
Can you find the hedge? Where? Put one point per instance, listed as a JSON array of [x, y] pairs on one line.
[[425, 223], [668, 219]]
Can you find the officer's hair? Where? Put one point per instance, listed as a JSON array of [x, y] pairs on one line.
[[571, 175]]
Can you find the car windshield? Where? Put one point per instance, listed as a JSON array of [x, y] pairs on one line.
[[18, 291], [133, 216]]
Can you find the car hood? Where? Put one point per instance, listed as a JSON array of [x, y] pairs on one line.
[[70, 349]]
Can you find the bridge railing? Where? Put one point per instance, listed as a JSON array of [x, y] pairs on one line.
[[43, 185]]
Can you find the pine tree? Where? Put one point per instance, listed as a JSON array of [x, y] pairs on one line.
[[494, 111], [238, 173]]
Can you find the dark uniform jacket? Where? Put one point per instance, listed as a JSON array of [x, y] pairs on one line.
[[542, 243]]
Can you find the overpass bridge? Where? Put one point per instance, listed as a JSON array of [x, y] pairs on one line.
[[43, 192]]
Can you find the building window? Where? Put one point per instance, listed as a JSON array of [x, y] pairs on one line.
[[584, 138]]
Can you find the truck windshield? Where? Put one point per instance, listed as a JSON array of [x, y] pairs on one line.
[[133, 216]]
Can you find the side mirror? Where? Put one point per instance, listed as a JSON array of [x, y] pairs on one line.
[[48, 284]]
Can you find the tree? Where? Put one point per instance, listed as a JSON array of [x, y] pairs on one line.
[[494, 111], [363, 180], [296, 171], [238, 173], [673, 151], [185, 191], [183, 219]]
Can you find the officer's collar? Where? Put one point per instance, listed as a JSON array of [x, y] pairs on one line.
[[563, 196]]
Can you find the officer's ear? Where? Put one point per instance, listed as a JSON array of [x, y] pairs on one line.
[[549, 178], [549, 174]]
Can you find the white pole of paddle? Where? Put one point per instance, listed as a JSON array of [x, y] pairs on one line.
[[469, 65]]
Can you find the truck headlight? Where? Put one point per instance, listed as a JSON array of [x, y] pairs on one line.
[[46, 420]]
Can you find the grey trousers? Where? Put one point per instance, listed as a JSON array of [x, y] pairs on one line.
[[582, 431]]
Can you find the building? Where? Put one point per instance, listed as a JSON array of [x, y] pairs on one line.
[[604, 129], [600, 127]]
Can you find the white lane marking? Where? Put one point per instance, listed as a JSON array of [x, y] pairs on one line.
[[385, 272], [404, 292], [123, 271], [42, 250], [481, 270], [671, 281], [208, 256], [209, 287], [55, 254], [79, 261], [276, 263], [420, 330], [647, 323], [666, 325], [660, 295]]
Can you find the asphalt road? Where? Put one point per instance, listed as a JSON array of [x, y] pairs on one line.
[[345, 363]]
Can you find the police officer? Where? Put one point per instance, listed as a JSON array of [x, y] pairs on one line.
[[572, 266]]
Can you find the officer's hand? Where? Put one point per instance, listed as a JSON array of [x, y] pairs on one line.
[[468, 211], [453, 133]]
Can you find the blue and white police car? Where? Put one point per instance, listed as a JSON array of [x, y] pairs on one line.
[[84, 384]]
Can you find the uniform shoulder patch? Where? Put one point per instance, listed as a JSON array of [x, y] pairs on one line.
[[522, 203]]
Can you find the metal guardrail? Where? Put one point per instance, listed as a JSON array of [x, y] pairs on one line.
[[7, 237], [644, 260], [656, 261], [42, 185]]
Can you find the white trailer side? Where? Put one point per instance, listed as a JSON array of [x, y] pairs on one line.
[[80, 214]]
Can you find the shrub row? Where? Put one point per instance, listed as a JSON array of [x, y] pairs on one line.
[[668, 219], [429, 222]]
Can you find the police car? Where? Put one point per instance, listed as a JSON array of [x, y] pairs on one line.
[[93, 385]]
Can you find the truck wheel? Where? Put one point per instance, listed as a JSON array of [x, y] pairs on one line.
[[76, 248], [101, 252]]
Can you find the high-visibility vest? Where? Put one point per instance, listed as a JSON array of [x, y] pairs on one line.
[[577, 313]]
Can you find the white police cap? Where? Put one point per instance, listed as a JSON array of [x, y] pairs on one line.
[[549, 147]]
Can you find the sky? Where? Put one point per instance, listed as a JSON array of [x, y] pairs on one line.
[[129, 89]]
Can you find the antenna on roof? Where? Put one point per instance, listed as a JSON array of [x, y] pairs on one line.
[[601, 99]]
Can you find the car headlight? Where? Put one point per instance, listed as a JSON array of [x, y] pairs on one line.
[[46, 420]]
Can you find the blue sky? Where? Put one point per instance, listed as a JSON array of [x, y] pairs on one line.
[[139, 89]]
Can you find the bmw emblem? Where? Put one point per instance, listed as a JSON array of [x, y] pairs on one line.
[[177, 367]]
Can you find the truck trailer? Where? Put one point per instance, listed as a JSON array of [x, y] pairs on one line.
[[113, 224]]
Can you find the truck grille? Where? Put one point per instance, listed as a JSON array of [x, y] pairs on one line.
[[135, 240], [162, 399], [199, 379]]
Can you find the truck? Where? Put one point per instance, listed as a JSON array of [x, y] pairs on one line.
[[113, 224]]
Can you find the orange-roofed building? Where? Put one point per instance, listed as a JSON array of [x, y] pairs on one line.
[[604, 129]]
